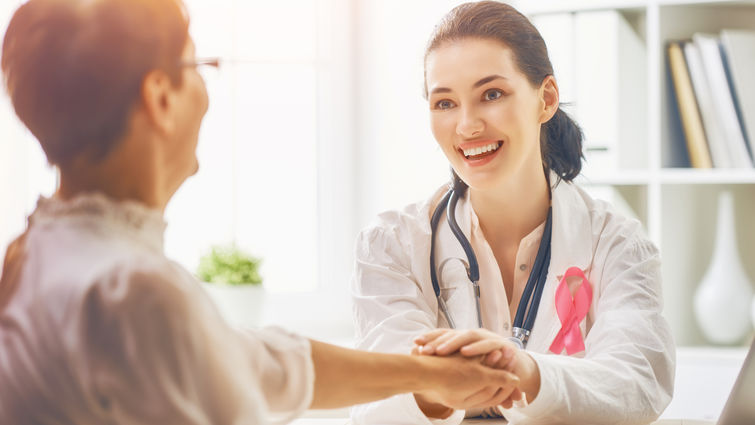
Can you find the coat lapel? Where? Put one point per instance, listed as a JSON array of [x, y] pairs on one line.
[[571, 245]]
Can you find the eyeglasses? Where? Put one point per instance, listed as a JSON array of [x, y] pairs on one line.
[[211, 62]]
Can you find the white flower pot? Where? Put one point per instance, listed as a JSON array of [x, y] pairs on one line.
[[240, 305]]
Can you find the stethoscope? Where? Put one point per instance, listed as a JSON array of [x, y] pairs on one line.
[[533, 291]]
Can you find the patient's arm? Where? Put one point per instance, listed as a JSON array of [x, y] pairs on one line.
[[344, 377]]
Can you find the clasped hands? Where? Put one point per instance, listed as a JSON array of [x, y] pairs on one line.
[[493, 351]]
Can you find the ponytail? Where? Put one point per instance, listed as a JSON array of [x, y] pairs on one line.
[[561, 146]]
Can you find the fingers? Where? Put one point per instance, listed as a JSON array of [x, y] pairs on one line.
[[430, 336], [486, 345], [433, 346], [452, 343], [493, 358], [515, 396], [481, 398], [498, 397], [507, 361], [482, 346], [502, 396]]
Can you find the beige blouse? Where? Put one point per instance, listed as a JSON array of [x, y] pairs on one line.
[[98, 326]]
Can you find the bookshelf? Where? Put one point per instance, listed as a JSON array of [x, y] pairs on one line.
[[677, 204]]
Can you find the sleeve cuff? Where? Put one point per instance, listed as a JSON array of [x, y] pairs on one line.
[[294, 354]]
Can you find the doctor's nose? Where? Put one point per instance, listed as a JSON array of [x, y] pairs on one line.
[[470, 125]]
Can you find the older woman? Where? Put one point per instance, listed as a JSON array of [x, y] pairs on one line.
[[96, 324]]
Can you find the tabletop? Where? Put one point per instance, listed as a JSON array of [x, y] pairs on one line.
[[344, 421]]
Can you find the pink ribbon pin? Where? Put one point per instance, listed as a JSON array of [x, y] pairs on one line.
[[571, 311]]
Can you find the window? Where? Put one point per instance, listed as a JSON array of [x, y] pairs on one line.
[[274, 159], [257, 149]]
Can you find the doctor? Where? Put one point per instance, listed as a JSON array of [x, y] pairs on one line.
[[526, 266]]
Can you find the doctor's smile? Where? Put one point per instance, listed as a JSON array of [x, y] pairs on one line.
[[480, 152]]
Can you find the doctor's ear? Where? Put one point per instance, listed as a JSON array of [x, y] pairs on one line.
[[549, 98]]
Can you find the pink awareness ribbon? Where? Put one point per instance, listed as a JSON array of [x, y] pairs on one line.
[[571, 311]]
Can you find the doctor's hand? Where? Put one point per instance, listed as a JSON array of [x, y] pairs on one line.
[[463, 383], [498, 352]]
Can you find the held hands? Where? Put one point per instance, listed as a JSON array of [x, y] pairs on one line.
[[460, 382], [498, 352], [493, 351]]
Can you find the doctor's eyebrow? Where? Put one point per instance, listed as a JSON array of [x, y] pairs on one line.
[[488, 79], [479, 83]]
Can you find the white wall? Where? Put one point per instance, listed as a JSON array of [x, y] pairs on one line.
[[399, 161]]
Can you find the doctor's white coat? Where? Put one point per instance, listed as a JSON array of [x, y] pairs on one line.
[[625, 374]]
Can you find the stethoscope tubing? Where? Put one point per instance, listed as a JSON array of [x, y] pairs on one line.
[[533, 291], [528, 304]]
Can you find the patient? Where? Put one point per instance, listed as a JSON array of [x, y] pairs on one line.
[[96, 324]]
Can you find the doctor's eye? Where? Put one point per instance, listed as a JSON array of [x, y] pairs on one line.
[[444, 104], [492, 94]]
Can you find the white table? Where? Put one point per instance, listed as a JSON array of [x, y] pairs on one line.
[[344, 421]]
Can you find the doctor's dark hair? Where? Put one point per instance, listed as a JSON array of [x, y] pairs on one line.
[[74, 68], [560, 137]]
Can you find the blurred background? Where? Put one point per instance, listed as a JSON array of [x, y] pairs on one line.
[[317, 123]]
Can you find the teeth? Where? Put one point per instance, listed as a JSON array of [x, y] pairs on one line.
[[476, 151]]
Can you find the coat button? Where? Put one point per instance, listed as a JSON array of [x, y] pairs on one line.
[[522, 267], [505, 326]]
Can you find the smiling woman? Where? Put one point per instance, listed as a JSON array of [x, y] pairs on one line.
[[564, 290]]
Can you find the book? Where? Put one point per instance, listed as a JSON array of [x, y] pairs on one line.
[[723, 103], [610, 97], [739, 55], [694, 134], [713, 131]]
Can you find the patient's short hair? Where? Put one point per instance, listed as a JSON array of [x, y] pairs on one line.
[[74, 68]]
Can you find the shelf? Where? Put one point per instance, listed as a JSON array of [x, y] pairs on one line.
[[622, 178], [636, 152], [670, 176], [714, 176], [557, 6]]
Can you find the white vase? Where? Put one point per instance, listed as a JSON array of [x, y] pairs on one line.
[[240, 305], [723, 300]]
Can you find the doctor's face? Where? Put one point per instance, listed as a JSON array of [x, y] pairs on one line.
[[484, 113]]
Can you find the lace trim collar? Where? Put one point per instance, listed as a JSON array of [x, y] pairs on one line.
[[140, 221]]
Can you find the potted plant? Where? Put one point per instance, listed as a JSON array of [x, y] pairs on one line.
[[232, 279]]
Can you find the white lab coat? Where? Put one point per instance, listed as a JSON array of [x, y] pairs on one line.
[[626, 373], [103, 329]]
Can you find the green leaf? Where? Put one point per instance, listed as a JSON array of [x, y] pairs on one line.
[[229, 264]]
